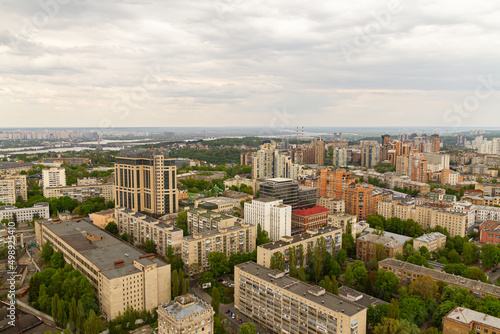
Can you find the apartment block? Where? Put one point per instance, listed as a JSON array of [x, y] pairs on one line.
[[239, 238], [13, 168], [489, 232], [462, 320], [484, 213], [69, 161], [186, 314], [432, 241], [82, 192], [342, 220], [333, 241], [283, 304], [12, 187], [334, 205], [143, 228], [219, 204], [332, 183], [272, 215], [268, 163], [202, 220], [366, 246], [23, 215], [53, 177], [146, 181], [123, 275], [362, 199], [408, 272]]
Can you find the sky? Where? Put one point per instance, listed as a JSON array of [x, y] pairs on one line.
[[98, 63]]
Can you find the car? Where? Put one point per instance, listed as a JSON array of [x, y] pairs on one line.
[[240, 322], [230, 313], [233, 316], [227, 311]]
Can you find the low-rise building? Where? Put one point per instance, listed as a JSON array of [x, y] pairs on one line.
[[432, 241], [283, 304], [366, 246], [489, 232], [462, 320], [83, 192], [333, 242], [186, 314], [12, 168], [334, 205], [305, 219], [102, 218], [23, 215]]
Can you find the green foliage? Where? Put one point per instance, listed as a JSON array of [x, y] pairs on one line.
[[173, 259], [238, 258], [182, 222], [393, 310], [219, 265], [278, 261], [409, 228], [248, 328], [46, 253], [180, 283], [262, 236], [490, 255], [212, 155], [112, 228], [414, 310], [349, 277], [386, 284], [57, 260], [150, 246], [418, 260], [375, 314], [215, 300], [349, 245]]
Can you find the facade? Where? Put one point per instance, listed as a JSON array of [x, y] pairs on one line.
[[342, 221], [332, 236], [332, 183], [370, 153], [239, 238], [268, 163], [83, 192], [333, 205], [432, 241], [362, 199], [286, 305], [143, 228], [23, 215], [489, 232], [12, 187], [202, 220], [462, 320], [366, 246], [69, 161], [186, 314], [408, 272], [304, 219], [282, 189], [146, 181], [102, 218], [13, 168], [272, 215], [53, 177], [218, 204], [5, 236], [123, 275]]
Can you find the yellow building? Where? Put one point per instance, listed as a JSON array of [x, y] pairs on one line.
[[432, 241], [12, 187], [102, 218], [203, 220], [186, 314], [82, 192], [334, 205]]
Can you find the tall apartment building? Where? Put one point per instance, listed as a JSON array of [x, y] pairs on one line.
[[407, 273], [123, 275], [12, 187], [370, 153], [339, 157], [23, 215], [362, 199], [186, 314], [283, 304], [82, 192], [146, 181], [53, 177], [332, 183], [203, 220], [272, 215], [239, 238], [143, 228], [288, 190], [333, 242], [268, 163], [333, 205], [462, 320], [435, 143], [312, 218], [318, 147]]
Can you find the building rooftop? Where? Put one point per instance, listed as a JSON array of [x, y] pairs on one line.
[[312, 293], [312, 211], [430, 237], [279, 179], [467, 316], [186, 306], [146, 218], [490, 225], [9, 165], [393, 236], [105, 212], [12, 207], [359, 297], [311, 233], [235, 228]]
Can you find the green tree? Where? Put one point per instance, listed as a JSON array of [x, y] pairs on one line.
[[278, 261], [57, 260], [46, 253], [248, 328], [262, 236], [91, 326], [393, 310], [218, 263], [380, 252], [425, 287], [341, 256], [386, 284], [470, 253], [388, 326], [374, 315], [112, 228], [150, 246], [72, 315], [215, 300], [454, 257], [490, 255], [359, 271], [476, 274], [349, 277], [335, 286], [348, 244]]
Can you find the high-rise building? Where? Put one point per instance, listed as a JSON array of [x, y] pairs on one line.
[[332, 183], [435, 143], [146, 181], [272, 215], [186, 314], [386, 139], [370, 153], [339, 156], [13, 186], [319, 151], [267, 162], [53, 177], [362, 199]]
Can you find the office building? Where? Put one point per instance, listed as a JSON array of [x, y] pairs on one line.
[[123, 275], [83, 192], [53, 177], [23, 215], [186, 314], [408, 272], [462, 320], [304, 219], [239, 238], [489, 232], [146, 181], [301, 242], [362, 199], [142, 228], [432, 241], [366, 246], [283, 304], [272, 216], [282, 189], [334, 205], [202, 220], [12, 187]]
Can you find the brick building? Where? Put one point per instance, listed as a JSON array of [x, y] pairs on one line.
[[462, 320], [489, 232], [362, 199], [305, 219]]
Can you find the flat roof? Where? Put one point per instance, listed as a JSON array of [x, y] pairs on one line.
[[300, 237], [185, 306], [235, 228], [299, 288], [466, 316], [279, 179], [359, 297], [429, 237]]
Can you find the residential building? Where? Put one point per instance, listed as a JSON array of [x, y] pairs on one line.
[[142, 228], [370, 153], [12, 187], [362, 199], [484, 213], [219, 204], [146, 181], [202, 220], [333, 242], [13, 168], [366, 246], [283, 304], [23, 215], [69, 161], [268, 163], [343, 221], [489, 232], [239, 238], [359, 297], [462, 320], [6, 236], [332, 183], [304, 219], [272, 215], [102, 218], [334, 205], [432, 241], [186, 314], [123, 275], [408, 272], [339, 157], [53, 177], [83, 192]]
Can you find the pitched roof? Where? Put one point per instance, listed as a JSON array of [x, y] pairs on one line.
[[312, 211]]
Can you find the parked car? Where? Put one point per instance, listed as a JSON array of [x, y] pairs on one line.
[[233, 316], [240, 322]]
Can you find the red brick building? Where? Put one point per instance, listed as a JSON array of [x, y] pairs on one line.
[[489, 232], [305, 219]]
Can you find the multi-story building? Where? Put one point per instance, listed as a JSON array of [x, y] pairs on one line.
[[339, 157], [366, 246], [83, 192], [272, 215], [12, 187], [432, 241], [484, 213], [13, 168], [102, 218], [362, 199], [146, 181], [462, 320], [218, 204], [69, 161], [435, 143], [489, 232], [23, 215], [370, 153], [333, 242], [186, 314], [142, 228], [239, 238], [334, 205], [268, 163], [342, 221], [123, 275], [283, 304], [53, 177], [202, 220], [304, 219], [332, 183]]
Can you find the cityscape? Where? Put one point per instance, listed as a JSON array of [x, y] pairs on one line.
[[236, 167]]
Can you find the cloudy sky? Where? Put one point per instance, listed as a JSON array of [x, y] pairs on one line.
[[99, 63]]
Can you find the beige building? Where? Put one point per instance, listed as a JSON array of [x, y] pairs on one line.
[[342, 220], [122, 274], [334, 205], [102, 218], [83, 192], [143, 228], [12, 168], [202, 220], [219, 204], [366, 246], [332, 236], [239, 238], [432, 241], [462, 320], [53, 177], [284, 304], [146, 181], [187, 314], [12, 187]]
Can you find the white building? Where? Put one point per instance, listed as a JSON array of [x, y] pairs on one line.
[[53, 177], [484, 213], [272, 215], [23, 215]]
